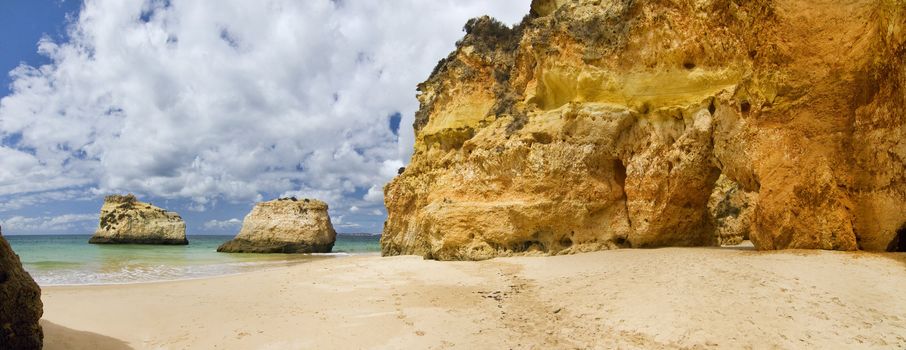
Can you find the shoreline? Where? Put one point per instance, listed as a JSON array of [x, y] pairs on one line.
[[284, 264], [629, 298], [55, 260]]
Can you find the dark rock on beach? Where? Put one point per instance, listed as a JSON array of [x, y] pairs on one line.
[[20, 303]]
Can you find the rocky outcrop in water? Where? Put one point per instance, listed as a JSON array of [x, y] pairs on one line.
[[285, 225], [125, 220], [605, 124], [20, 303]]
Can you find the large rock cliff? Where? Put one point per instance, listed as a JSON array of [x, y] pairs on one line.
[[600, 124], [285, 225], [125, 220], [20, 303]]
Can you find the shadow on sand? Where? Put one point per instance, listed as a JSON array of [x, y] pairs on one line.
[[59, 337]]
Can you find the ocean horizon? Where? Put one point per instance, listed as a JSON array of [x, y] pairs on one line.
[[68, 259]]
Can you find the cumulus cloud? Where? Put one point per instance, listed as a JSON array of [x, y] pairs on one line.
[[211, 100], [341, 223], [31, 199], [222, 224], [47, 224]]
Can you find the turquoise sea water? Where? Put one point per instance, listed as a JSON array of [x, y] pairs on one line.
[[69, 259]]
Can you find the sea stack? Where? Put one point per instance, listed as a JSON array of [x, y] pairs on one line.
[[125, 220], [607, 124], [20, 303], [285, 225]]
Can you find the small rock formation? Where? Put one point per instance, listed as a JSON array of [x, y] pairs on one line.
[[285, 225], [20, 303], [125, 220], [599, 124]]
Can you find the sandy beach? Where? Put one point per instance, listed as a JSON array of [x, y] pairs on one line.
[[660, 298]]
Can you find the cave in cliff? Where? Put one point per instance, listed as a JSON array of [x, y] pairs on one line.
[[898, 244], [731, 210]]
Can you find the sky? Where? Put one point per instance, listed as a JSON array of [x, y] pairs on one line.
[[205, 107]]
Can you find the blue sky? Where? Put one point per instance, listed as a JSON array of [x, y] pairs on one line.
[[205, 107], [22, 24]]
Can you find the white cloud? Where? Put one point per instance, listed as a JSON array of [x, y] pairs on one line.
[[44, 224], [222, 224], [27, 200], [375, 194], [340, 222], [229, 99]]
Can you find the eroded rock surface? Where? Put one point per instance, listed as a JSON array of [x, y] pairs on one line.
[[20, 303], [604, 124], [125, 220], [285, 225], [731, 208]]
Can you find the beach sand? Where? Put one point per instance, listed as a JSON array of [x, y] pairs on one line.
[[657, 298]]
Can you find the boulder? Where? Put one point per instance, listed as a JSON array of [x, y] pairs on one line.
[[125, 220], [606, 124], [286, 225], [20, 303]]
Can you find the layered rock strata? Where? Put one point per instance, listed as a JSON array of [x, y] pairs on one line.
[[20, 303], [605, 124], [285, 225], [125, 220]]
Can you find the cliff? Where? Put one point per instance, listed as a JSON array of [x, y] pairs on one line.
[[606, 124], [20, 303], [285, 225], [126, 220]]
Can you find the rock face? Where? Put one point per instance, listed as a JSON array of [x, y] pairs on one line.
[[731, 208], [285, 225], [126, 220], [20, 303], [605, 124]]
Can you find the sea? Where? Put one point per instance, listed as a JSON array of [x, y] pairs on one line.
[[54, 260]]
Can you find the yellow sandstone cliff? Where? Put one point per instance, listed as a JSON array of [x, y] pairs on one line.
[[605, 124]]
